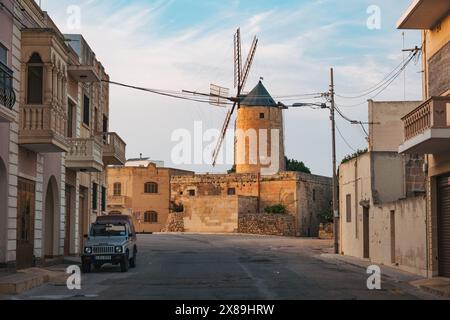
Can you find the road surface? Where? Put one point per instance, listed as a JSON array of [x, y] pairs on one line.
[[204, 266]]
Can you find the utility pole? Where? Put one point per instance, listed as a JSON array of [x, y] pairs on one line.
[[335, 185]]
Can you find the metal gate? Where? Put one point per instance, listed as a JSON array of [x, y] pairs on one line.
[[444, 226], [25, 223]]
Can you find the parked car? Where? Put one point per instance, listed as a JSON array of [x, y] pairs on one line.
[[111, 239]]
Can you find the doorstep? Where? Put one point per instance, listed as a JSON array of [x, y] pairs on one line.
[[438, 286], [27, 279]]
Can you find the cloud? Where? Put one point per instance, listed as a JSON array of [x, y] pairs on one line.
[[147, 44]]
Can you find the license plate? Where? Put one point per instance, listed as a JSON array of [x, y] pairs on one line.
[[103, 258]]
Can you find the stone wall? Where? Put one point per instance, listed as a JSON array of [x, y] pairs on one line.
[[305, 196], [326, 231], [267, 224], [175, 222], [215, 214]]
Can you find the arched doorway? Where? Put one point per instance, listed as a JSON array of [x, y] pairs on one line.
[[51, 220], [3, 211]]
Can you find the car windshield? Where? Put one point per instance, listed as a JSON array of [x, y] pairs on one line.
[[108, 230]]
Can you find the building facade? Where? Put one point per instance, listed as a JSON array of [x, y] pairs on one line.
[[382, 195], [142, 190], [56, 145], [427, 128]]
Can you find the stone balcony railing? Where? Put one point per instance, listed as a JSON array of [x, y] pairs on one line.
[[42, 128], [85, 155], [431, 114], [119, 201], [113, 149], [427, 128]]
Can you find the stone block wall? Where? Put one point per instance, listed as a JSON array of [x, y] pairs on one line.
[[175, 222], [267, 224]]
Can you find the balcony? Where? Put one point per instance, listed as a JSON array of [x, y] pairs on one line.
[[7, 94], [427, 128], [119, 202], [424, 14], [113, 149], [83, 73], [84, 155], [42, 128]]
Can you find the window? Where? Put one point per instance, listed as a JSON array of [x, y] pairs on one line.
[[349, 207], [117, 189], [151, 217], [151, 187], [231, 191], [94, 196], [86, 110], [191, 192], [262, 115], [103, 199], [3, 55], [35, 79], [314, 194]]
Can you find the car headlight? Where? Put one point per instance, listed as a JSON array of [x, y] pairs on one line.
[[88, 250], [119, 249]]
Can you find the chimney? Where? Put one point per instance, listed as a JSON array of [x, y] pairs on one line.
[[140, 156]]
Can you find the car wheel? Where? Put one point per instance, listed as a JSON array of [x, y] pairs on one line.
[[124, 264], [86, 267], [133, 260]]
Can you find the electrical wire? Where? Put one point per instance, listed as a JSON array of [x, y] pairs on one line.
[[387, 80], [345, 140]]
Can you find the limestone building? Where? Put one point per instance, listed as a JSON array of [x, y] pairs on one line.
[[141, 189], [54, 137], [427, 128], [382, 195]]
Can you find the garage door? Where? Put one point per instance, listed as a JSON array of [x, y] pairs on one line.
[[444, 226]]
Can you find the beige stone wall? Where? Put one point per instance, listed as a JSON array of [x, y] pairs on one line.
[[393, 219], [401, 242], [386, 128], [214, 213], [304, 195], [268, 224]]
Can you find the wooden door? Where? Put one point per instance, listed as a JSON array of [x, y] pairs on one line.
[[25, 223]]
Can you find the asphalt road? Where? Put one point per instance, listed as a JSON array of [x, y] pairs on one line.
[[193, 266]]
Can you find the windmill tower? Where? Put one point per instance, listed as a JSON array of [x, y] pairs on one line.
[[259, 133], [259, 122]]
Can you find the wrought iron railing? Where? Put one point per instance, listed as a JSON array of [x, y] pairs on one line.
[[7, 94]]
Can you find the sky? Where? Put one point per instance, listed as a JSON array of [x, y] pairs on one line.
[[188, 44]]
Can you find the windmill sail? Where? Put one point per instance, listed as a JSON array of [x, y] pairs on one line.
[[240, 78]]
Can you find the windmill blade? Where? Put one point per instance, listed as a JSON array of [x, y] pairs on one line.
[[222, 134], [237, 58], [248, 63], [218, 95]]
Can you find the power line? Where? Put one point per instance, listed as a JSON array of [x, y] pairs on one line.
[[387, 80], [345, 140]]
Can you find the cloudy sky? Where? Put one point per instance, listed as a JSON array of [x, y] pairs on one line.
[[188, 44]]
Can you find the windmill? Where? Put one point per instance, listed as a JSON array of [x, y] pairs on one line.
[[240, 79]]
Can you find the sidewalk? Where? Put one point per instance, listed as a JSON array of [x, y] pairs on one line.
[[435, 286], [27, 279]]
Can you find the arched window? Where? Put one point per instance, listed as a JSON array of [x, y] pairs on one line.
[[117, 189], [151, 217], [35, 76], [151, 187]]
